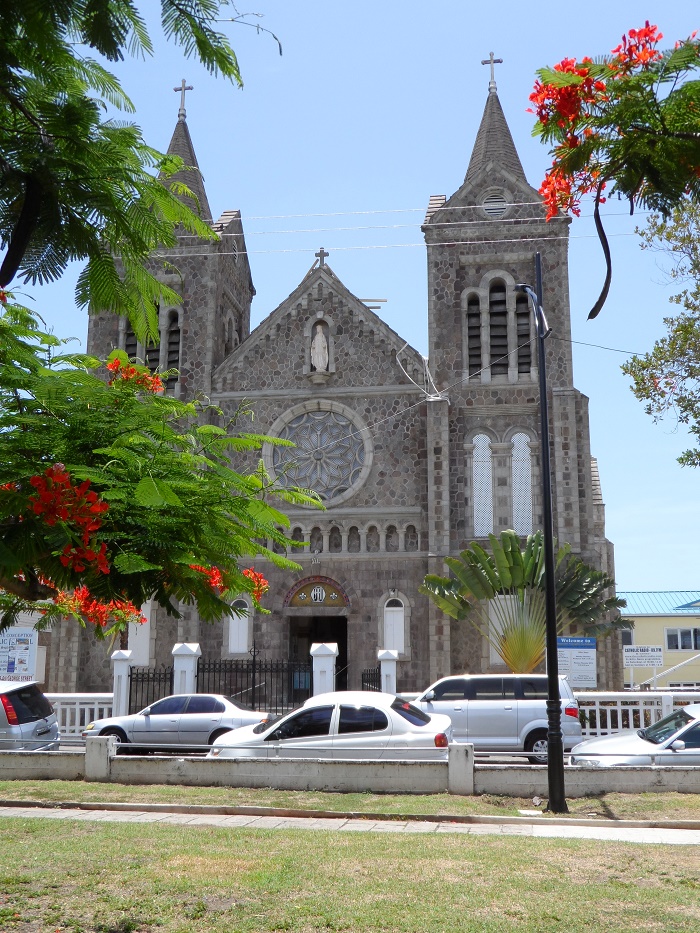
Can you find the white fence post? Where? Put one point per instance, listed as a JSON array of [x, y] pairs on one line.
[[387, 658], [185, 656], [324, 656], [121, 662]]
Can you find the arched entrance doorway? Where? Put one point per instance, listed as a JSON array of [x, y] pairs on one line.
[[317, 609]]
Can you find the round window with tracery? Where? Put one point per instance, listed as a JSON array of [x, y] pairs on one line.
[[330, 454]]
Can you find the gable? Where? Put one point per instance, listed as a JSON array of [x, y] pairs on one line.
[[361, 349]]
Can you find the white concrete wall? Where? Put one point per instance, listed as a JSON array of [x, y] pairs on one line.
[[42, 766], [459, 775]]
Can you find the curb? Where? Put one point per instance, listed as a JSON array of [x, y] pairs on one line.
[[211, 810]]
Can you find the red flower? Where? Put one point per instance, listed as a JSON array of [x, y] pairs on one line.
[[140, 378], [260, 584], [213, 574]]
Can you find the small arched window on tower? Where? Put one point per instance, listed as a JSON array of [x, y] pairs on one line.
[[482, 486], [239, 628], [522, 326], [498, 329], [474, 335], [522, 485], [394, 626], [172, 359]]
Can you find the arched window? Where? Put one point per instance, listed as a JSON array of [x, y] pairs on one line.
[[394, 626], [372, 539], [354, 540], [498, 329], [239, 628], [482, 486], [392, 538], [316, 541], [522, 485], [411, 538], [335, 540], [473, 335]]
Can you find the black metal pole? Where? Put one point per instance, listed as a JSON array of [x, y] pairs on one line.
[[555, 746]]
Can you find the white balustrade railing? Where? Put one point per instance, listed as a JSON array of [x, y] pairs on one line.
[[75, 710], [607, 713], [604, 713]]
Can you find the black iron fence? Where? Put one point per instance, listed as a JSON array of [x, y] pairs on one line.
[[372, 679], [272, 686], [146, 685]]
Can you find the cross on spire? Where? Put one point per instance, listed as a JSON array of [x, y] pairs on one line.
[[181, 114], [492, 61], [321, 256]]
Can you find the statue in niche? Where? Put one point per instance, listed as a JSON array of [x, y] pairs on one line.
[[319, 350]]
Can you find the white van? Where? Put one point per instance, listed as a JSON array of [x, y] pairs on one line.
[[501, 712]]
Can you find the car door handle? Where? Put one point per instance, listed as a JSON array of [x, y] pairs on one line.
[[510, 706], [458, 707]]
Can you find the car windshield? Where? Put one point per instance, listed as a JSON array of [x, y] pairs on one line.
[[410, 712], [664, 728], [266, 724]]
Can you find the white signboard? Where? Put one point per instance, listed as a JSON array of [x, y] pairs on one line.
[[18, 653], [577, 659], [643, 656]]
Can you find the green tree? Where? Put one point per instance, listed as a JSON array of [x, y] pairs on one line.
[[502, 595], [628, 122], [667, 379], [75, 184], [113, 493]]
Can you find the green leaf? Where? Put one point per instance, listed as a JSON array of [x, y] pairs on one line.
[[132, 563], [154, 493]]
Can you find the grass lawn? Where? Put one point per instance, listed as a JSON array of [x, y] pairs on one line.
[[76, 877], [608, 806]]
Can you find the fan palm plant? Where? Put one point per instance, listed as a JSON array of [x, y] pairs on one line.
[[502, 595]]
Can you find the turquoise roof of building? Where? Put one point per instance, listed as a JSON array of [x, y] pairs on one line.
[[661, 603]]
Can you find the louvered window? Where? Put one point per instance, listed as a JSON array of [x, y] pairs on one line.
[[152, 357], [522, 323], [482, 486], [130, 344], [173, 347], [498, 329], [474, 335]]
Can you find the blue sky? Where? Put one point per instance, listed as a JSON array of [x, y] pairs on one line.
[[339, 142]]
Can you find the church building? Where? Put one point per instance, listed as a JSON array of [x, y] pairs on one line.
[[413, 459]]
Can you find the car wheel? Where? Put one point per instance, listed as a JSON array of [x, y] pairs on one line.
[[118, 734], [215, 735], [537, 744]]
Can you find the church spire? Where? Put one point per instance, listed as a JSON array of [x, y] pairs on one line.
[[493, 141], [181, 145]]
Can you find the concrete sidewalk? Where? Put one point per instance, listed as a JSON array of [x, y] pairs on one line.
[[569, 829]]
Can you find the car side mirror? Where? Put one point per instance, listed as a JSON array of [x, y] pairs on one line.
[[430, 695], [146, 712], [678, 745]]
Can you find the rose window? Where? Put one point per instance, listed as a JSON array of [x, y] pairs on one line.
[[329, 456]]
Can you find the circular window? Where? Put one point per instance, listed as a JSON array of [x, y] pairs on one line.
[[331, 454], [494, 205]]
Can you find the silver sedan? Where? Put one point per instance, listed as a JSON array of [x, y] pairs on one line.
[[673, 740], [183, 719], [348, 724]]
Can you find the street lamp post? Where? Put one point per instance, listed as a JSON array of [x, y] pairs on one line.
[[555, 747]]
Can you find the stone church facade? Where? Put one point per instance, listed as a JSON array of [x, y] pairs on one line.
[[414, 461]]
